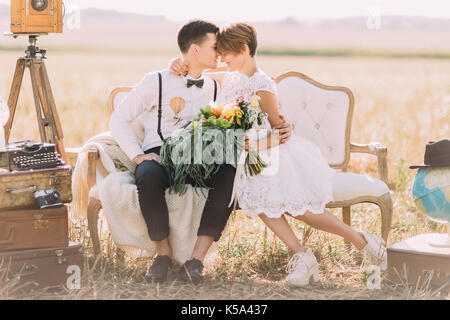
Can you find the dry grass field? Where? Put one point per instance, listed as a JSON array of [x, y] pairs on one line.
[[402, 103]]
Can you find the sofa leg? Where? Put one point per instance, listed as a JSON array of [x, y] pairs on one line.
[[94, 207], [347, 218], [386, 209]]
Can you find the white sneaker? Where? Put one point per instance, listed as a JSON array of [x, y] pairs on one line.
[[301, 267], [374, 252]]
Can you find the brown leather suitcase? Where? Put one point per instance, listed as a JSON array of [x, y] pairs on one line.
[[43, 268], [34, 228], [17, 187], [415, 261]]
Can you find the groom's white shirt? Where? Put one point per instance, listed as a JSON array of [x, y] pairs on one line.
[[144, 98]]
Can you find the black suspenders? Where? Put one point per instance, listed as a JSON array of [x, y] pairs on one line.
[[160, 103], [160, 107]]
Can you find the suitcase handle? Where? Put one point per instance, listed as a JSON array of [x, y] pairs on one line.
[[12, 235], [26, 270], [23, 190]]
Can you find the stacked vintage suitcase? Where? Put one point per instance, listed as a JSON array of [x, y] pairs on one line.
[[34, 243]]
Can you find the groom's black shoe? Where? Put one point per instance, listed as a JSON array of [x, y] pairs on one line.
[[159, 269], [191, 271]]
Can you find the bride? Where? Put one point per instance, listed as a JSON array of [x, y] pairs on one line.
[[302, 184]]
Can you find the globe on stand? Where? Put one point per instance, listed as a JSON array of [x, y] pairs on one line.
[[431, 191]]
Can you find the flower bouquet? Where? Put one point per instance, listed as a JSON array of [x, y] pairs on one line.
[[193, 154]]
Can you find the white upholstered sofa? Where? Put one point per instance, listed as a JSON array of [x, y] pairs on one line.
[[322, 114]]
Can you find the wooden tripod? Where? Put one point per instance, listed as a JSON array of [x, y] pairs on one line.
[[50, 129]]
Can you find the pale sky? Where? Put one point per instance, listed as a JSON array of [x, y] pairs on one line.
[[258, 10]]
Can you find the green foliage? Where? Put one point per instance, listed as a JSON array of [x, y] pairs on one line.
[[189, 166], [224, 123], [206, 111], [185, 173], [212, 120]]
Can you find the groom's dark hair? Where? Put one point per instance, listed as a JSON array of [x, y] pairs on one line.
[[194, 31]]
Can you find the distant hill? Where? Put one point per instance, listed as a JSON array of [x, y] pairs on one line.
[[92, 13], [109, 29], [387, 22]]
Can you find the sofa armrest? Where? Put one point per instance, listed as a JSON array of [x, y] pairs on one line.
[[72, 155], [378, 150]]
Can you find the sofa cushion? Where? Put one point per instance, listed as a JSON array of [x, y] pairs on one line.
[[348, 186]]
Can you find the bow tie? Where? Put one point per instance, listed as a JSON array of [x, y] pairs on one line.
[[197, 83]]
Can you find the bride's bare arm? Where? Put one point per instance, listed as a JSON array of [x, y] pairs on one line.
[[269, 104]]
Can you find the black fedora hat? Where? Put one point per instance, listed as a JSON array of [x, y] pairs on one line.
[[437, 154]]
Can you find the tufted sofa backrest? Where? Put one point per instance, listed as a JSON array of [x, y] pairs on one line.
[[319, 113], [316, 111]]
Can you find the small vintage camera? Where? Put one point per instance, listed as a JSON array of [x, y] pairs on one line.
[[48, 198], [36, 16]]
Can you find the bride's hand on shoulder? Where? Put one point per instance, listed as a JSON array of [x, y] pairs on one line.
[[178, 67]]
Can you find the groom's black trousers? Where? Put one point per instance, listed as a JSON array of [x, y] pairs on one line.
[[152, 181]]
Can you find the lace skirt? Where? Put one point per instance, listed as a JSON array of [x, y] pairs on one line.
[[297, 179]]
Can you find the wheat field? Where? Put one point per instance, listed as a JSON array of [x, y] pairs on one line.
[[401, 103]]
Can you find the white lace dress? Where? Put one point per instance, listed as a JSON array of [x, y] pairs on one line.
[[297, 179]]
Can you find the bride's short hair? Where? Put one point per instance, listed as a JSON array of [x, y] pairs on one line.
[[232, 38]]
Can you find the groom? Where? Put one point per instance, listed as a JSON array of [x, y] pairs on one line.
[[197, 43]]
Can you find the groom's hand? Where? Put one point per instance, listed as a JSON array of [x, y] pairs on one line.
[[151, 156], [284, 130]]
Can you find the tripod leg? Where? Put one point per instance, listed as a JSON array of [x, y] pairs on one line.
[[51, 100], [37, 101], [14, 95], [48, 122], [54, 113]]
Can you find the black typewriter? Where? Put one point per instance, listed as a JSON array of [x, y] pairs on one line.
[[29, 155]]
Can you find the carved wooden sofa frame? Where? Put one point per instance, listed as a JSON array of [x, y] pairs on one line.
[[384, 202]]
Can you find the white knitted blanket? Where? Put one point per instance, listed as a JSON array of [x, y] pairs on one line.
[[116, 190]]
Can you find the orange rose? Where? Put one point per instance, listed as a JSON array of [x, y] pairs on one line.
[[217, 111]]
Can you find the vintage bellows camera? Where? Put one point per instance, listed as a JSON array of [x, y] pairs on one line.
[[36, 16]]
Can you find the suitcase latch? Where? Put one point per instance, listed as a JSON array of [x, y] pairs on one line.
[[38, 223], [59, 254], [54, 180]]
